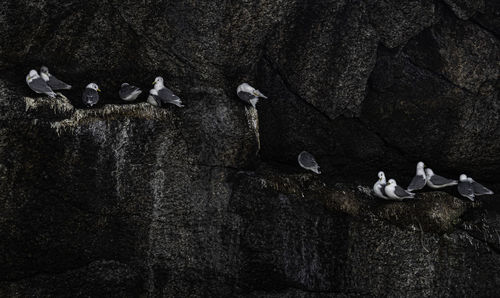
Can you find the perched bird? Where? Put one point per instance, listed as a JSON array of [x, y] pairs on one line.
[[465, 187], [162, 95], [128, 92], [52, 81], [478, 189], [418, 182], [249, 94], [379, 186], [37, 84], [436, 181], [396, 192], [90, 96], [307, 161]]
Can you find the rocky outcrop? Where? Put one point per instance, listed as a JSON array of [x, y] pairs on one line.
[[130, 200]]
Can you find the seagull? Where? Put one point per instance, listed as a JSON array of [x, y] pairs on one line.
[[379, 186], [307, 161], [478, 189], [436, 181], [37, 84], [249, 94], [90, 96], [465, 187], [52, 81], [128, 92], [418, 182], [396, 192], [163, 95]]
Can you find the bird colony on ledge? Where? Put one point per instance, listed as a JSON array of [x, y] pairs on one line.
[[390, 190], [160, 95]]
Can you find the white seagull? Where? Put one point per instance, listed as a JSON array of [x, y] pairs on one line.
[[396, 192], [90, 96], [418, 182], [52, 81], [161, 95], [379, 186], [436, 181], [129, 92], [249, 94], [37, 84], [308, 162]]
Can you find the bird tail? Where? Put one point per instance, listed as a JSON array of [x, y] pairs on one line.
[[178, 103]]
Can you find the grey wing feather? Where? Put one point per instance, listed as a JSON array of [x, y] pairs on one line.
[[400, 192], [127, 90], [480, 190], [57, 84], [440, 180], [245, 96], [382, 189], [167, 96], [40, 86], [418, 182], [465, 189], [90, 96], [307, 160]]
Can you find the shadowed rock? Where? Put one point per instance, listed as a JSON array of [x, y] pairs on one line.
[[131, 200]]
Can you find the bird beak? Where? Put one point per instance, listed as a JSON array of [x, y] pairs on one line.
[[98, 89], [379, 179], [154, 82]]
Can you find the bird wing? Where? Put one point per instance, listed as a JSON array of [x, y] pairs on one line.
[[440, 180], [57, 84], [127, 90], [90, 96], [418, 182], [40, 86], [307, 160], [480, 190], [400, 192], [167, 95], [245, 96], [465, 189]]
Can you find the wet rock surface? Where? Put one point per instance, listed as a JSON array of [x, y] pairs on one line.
[[126, 200]]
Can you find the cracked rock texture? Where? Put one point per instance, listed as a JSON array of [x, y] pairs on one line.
[[127, 200]]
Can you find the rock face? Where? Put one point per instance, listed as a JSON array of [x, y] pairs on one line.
[[133, 201]]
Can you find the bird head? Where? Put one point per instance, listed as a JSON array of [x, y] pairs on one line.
[[44, 69], [33, 74], [158, 80], [463, 178], [94, 87], [381, 176]]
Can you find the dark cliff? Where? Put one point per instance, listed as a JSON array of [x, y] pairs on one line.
[[128, 200]]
